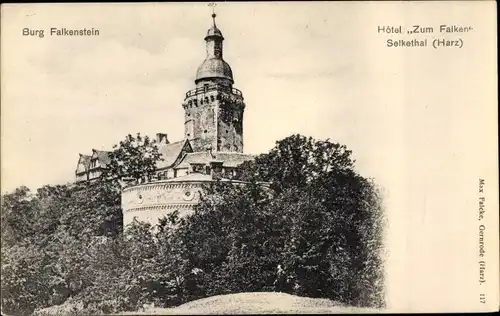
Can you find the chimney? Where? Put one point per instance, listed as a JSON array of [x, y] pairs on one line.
[[161, 138], [209, 150]]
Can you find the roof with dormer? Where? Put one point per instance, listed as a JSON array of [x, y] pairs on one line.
[[228, 159], [203, 157], [101, 156], [171, 152], [233, 160]]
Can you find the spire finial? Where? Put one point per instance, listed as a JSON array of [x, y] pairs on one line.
[[213, 5]]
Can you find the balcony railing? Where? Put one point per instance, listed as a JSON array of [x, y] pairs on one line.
[[213, 87]]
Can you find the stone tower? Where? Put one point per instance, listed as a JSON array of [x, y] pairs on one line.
[[214, 109]]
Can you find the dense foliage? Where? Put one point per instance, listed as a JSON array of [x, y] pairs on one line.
[[305, 223], [133, 159]]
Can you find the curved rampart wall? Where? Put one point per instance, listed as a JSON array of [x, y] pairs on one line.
[[150, 201]]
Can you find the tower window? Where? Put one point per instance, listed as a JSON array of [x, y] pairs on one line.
[[218, 49], [189, 114], [212, 98], [205, 131], [188, 134]]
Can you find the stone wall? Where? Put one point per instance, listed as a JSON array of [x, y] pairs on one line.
[[150, 201], [215, 119], [230, 127], [200, 118]]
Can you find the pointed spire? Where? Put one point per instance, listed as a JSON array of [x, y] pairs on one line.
[[213, 5], [214, 31]]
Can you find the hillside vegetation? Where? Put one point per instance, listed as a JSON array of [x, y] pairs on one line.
[[315, 231], [257, 303]]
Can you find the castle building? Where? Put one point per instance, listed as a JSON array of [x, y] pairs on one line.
[[212, 144], [90, 167]]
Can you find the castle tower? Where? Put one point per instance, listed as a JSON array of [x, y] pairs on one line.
[[214, 109]]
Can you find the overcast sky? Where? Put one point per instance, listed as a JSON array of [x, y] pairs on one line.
[[308, 73], [421, 121]]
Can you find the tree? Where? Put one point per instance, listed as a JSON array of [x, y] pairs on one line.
[[314, 229], [297, 161], [24, 279], [133, 159], [19, 211]]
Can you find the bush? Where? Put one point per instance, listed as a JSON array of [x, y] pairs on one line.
[[314, 230], [306, 224]]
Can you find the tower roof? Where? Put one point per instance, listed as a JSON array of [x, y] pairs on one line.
[[214, 68], [214, 32], [214, 65]]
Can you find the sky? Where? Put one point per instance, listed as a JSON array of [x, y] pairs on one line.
[[65, 96], [420, 121]]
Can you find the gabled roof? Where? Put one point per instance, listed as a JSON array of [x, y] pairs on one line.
[[102, 156], [84, 160], [202, 157], [170, 153], [232, 160], [228, 159]]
